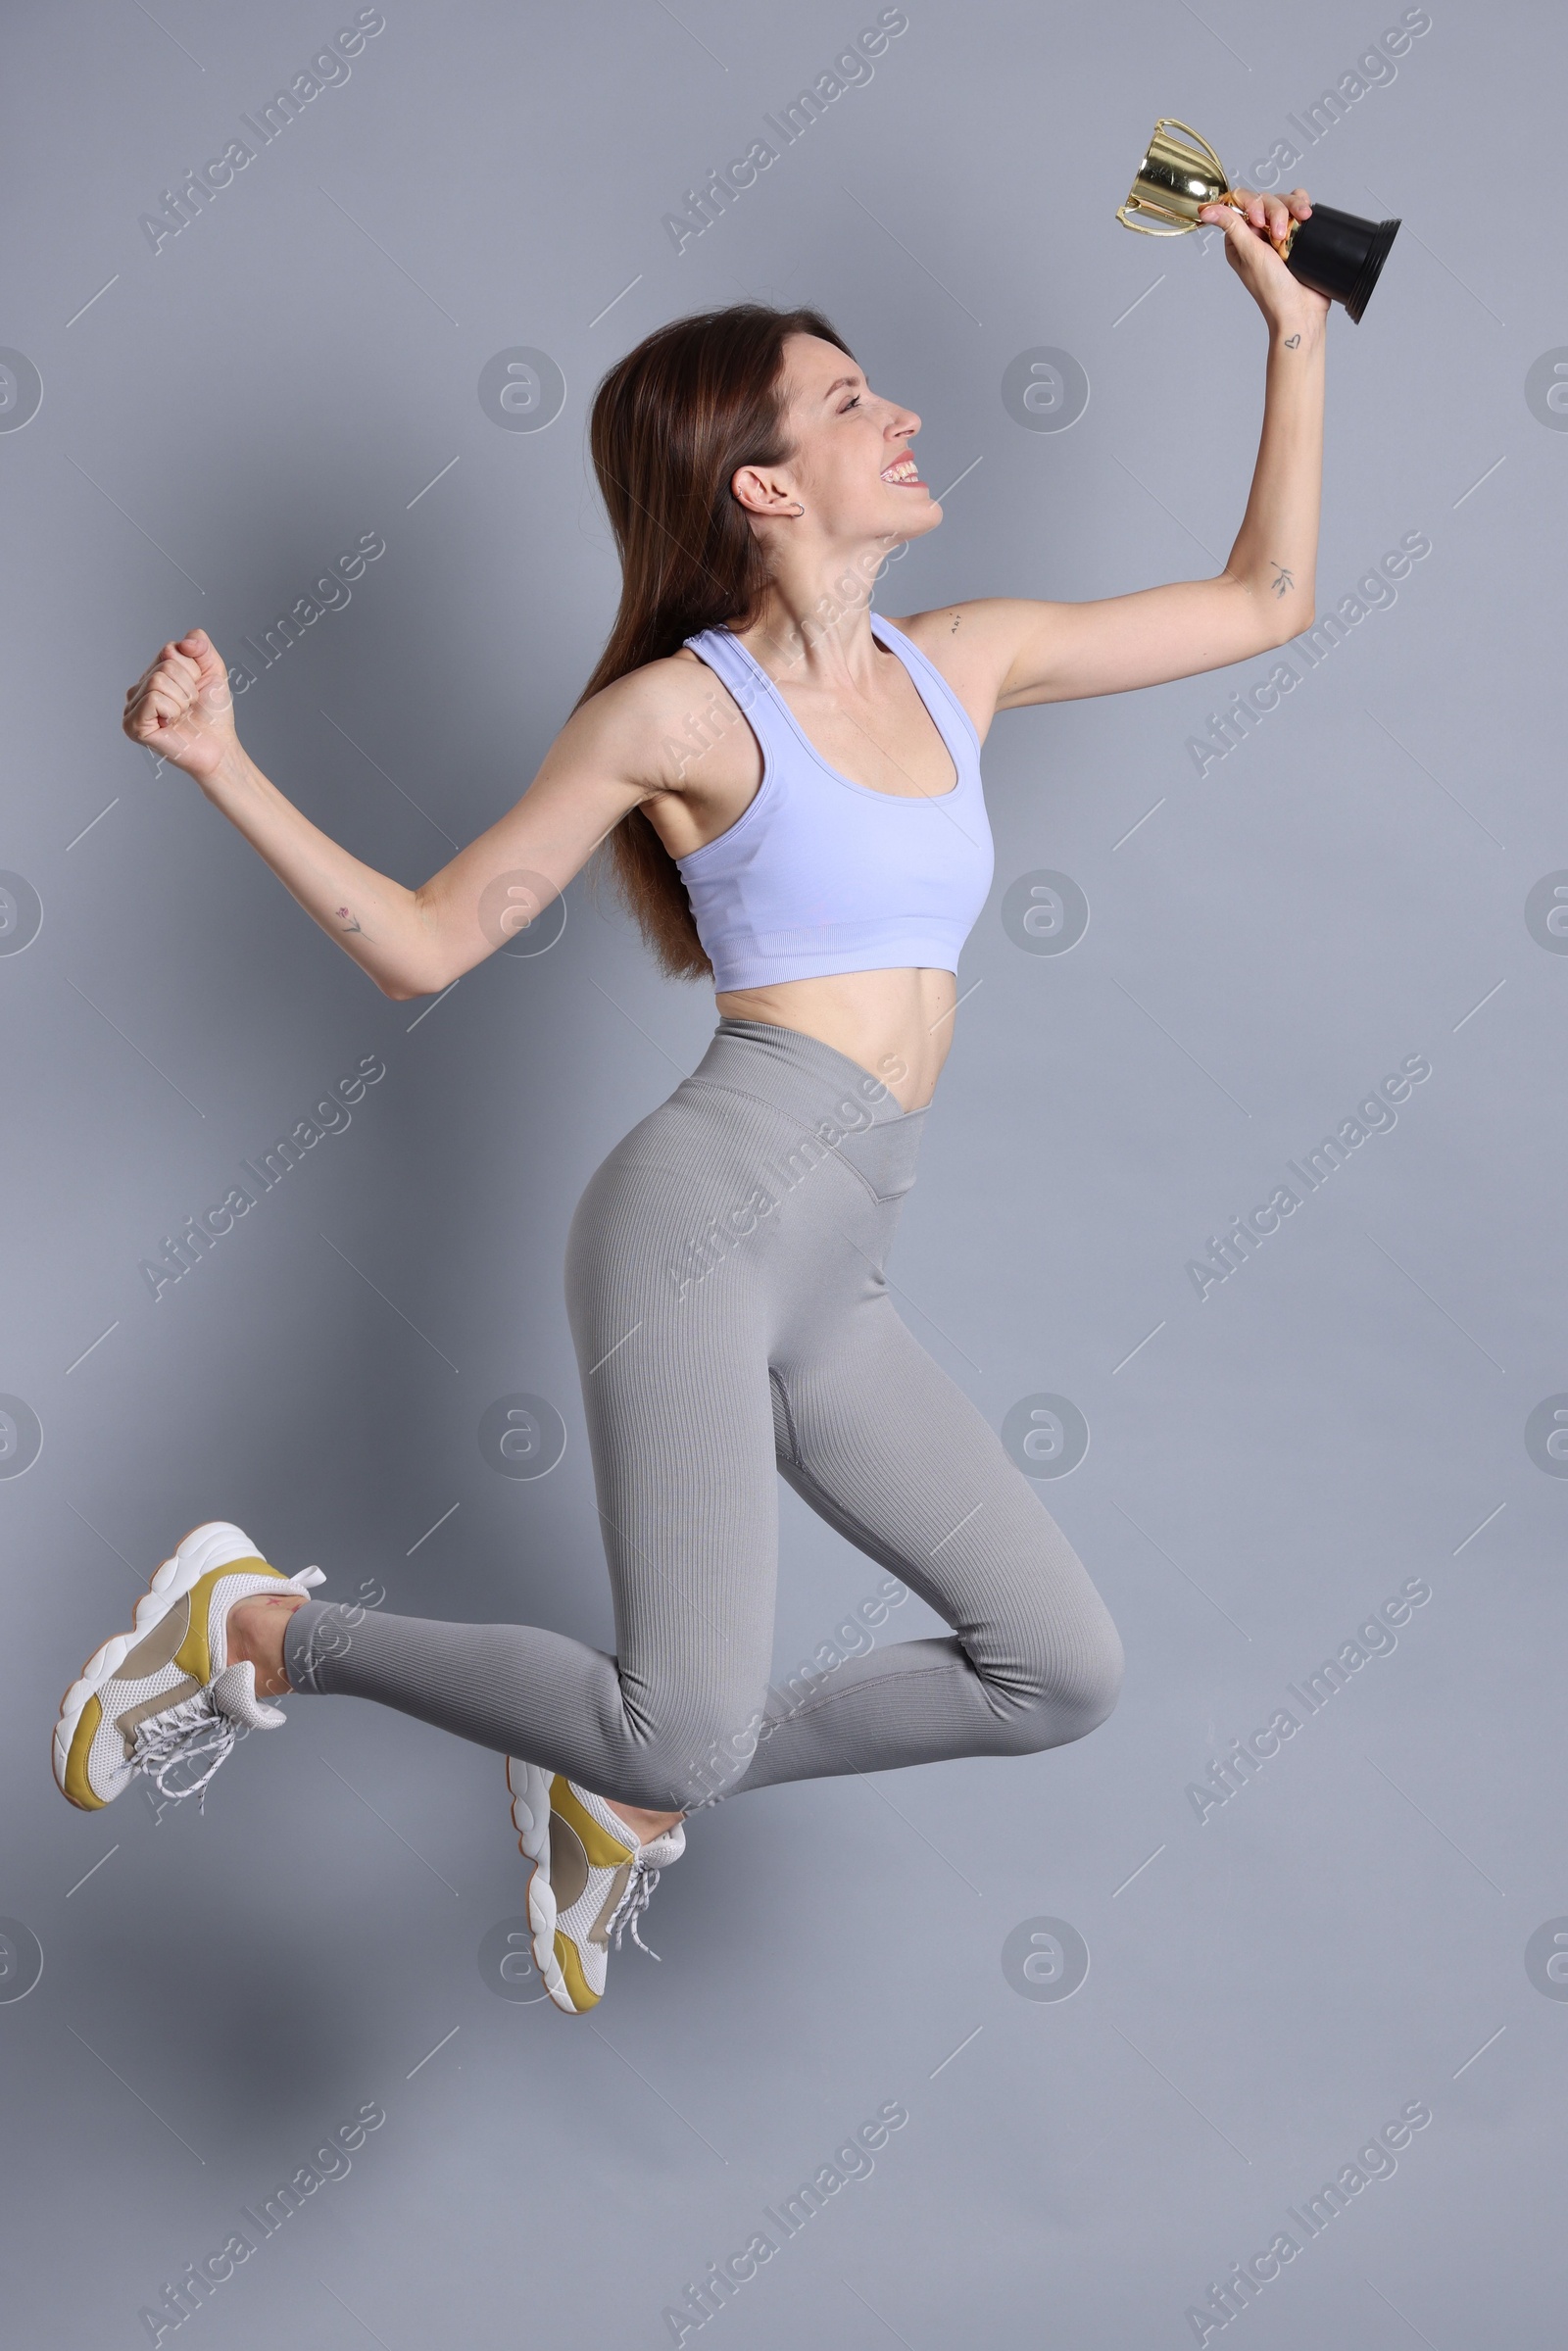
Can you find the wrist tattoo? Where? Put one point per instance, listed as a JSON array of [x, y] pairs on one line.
[[1290, 342]]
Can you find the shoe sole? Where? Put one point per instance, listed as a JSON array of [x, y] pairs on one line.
[[529, 1788], [167, 1584]]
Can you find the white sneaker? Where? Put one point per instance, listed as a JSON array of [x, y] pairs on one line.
[[590, 1880], [164, 1698]]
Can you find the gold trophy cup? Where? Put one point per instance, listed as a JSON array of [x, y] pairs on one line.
[[1337, 253]]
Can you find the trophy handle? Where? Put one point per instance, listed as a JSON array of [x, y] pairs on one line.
[[1199, 141], [1147, 228]]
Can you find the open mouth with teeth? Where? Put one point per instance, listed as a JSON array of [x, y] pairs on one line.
[[903, 474]]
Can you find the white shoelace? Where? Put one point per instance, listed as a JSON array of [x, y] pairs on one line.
[[634, 1901], [187, 1733], [195, 1730]]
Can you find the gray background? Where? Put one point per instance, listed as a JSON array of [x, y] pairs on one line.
[[1340, 891]]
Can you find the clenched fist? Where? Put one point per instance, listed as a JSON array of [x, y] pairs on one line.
[[181, 708]]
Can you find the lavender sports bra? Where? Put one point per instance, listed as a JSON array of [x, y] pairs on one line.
[[820, 875]]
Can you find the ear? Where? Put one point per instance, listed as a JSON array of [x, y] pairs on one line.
[[761, 494]]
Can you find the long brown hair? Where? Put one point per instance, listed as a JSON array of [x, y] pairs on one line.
[[671, 421]]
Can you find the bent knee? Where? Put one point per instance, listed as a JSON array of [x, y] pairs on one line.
[[1095, 1688], [674, 1770], [1069, 1697]]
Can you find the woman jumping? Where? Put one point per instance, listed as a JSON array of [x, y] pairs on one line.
[[789, 786]]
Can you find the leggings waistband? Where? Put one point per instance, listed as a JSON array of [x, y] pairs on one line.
[[799, 1077]]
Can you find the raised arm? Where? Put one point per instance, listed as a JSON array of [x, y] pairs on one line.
[[1003, 653], [415, 942]]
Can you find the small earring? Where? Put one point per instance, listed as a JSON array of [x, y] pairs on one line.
[[799, 512]]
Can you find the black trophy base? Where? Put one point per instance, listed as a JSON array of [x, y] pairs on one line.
[[1340, 256]]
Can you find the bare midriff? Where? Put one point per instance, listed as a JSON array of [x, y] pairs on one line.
[[895, 1024]]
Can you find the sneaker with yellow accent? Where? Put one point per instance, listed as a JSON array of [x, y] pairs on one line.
[[590, 1880], [163, 1698]]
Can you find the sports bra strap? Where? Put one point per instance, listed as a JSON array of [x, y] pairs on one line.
[[761, 702], [747, 681]]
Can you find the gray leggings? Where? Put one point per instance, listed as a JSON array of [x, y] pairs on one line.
[[724, 1280]]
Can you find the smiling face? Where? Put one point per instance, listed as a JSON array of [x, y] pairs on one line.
[[850, 465]]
